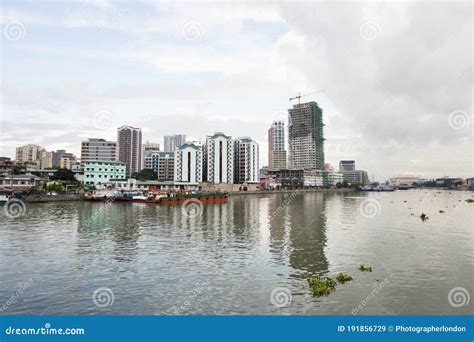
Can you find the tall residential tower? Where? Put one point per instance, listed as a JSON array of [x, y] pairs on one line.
[[129, 140], [219, 159], [276, 146], [246, 161]]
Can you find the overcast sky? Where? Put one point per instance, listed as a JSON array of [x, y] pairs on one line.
[[397, 76]]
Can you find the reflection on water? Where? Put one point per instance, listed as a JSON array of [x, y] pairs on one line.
[[230, 258]]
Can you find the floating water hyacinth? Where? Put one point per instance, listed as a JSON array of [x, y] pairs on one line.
[[321, 286], [343, 277], [365, 268]]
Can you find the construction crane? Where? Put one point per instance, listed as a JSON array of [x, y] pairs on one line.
[[299, 96]]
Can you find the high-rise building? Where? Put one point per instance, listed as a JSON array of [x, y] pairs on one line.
[[276, 146], [162, 163], [30, 153], [129, 140], [347, 165], [246, 161], [172, 142], [219, 159], [305, 136], [188, 164], [98, 149]]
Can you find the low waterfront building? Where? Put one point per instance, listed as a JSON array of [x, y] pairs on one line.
[[188, 164], [406, 180], [19, 182], [219, 159], [313, 178], [356, 177], [162, 163], [287, 178], [332, 178], [97, 172]]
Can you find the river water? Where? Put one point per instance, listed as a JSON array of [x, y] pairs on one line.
[[251, 255]]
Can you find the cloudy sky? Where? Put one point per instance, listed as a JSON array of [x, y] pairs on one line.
[[397, 77]]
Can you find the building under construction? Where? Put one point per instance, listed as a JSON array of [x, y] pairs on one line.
[[305, 136]]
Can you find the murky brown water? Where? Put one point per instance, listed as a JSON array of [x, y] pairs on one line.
[[229, 259]]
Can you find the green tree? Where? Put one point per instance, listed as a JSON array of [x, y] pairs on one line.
[[146, 174], [63, 175], [18, 169]]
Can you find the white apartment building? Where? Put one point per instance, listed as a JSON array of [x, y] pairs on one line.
[[219, 159], [188, 165]]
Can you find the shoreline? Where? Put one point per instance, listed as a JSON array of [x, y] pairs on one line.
[[80, 197], [271, 192]]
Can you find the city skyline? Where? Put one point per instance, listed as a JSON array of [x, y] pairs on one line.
[[182, 76]]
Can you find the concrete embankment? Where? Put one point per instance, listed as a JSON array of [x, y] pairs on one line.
[[40, 198]]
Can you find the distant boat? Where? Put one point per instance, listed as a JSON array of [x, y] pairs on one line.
[[386, 188], [404, 187]]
